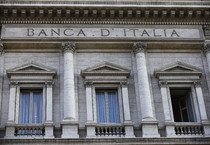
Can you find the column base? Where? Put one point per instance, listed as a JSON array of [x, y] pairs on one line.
[[150, 129], [49, 130], [129, 132], [206, 128], [70, 129], [10, 130], [90, 129], [170, 129]]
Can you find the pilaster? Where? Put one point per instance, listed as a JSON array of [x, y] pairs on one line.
[[166, 101]]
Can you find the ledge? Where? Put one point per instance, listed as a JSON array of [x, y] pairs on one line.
[[109, 141]]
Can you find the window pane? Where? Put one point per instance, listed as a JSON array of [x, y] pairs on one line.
[[101, 108], [113, 108], [24, 109], [182, 104], [37, 108]]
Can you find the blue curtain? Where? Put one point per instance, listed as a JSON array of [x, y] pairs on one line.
[[24, 109], [37, 108], [101, 108], [113, 108]]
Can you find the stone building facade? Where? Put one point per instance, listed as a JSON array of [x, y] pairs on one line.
[[104, 72]]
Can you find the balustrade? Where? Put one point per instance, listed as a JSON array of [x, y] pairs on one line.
[[110, 131], [189, 129], [29, 131]]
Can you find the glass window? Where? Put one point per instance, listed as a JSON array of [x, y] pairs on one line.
[[31, 106], [107, 106], [182, 104]]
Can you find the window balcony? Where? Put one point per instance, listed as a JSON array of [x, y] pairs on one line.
[[189, 129], [29, 131]]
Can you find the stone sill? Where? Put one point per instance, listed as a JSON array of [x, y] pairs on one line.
[[110, 141]]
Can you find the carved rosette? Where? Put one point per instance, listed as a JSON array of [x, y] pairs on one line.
[[68, 47], [139, 47], [206, 48]]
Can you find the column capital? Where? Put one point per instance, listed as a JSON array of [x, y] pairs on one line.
[[206, 47], [124, 84], [68, 47], [88, 84], [197, 83], [49, 84], [1, 48], [13, 84], [139, 47], [163, 83]]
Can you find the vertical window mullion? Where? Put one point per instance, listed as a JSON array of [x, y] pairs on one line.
[[31, 108], [180, 108], [107, 107]]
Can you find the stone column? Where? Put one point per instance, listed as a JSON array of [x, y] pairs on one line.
[[69, 124], [10, 128], [49, 126], [90, 124], [202, 108], [126, 109], [149, 123], [167, 108]]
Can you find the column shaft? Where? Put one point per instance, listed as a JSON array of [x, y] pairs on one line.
[[143, 86], [69, 95], [89, 104], [11, 115], [126, 107], [166, 106], [49, 104], [201, 103]]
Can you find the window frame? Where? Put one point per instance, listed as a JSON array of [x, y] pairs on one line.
[[195, 108], [119, 100], [107, 105], [30, 87]]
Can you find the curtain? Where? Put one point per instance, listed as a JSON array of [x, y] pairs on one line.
[[113, 108], [37, 108], [24, 109], [101, 108]]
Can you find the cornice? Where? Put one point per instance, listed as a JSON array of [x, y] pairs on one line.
[[110, 2], [106, 15]]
